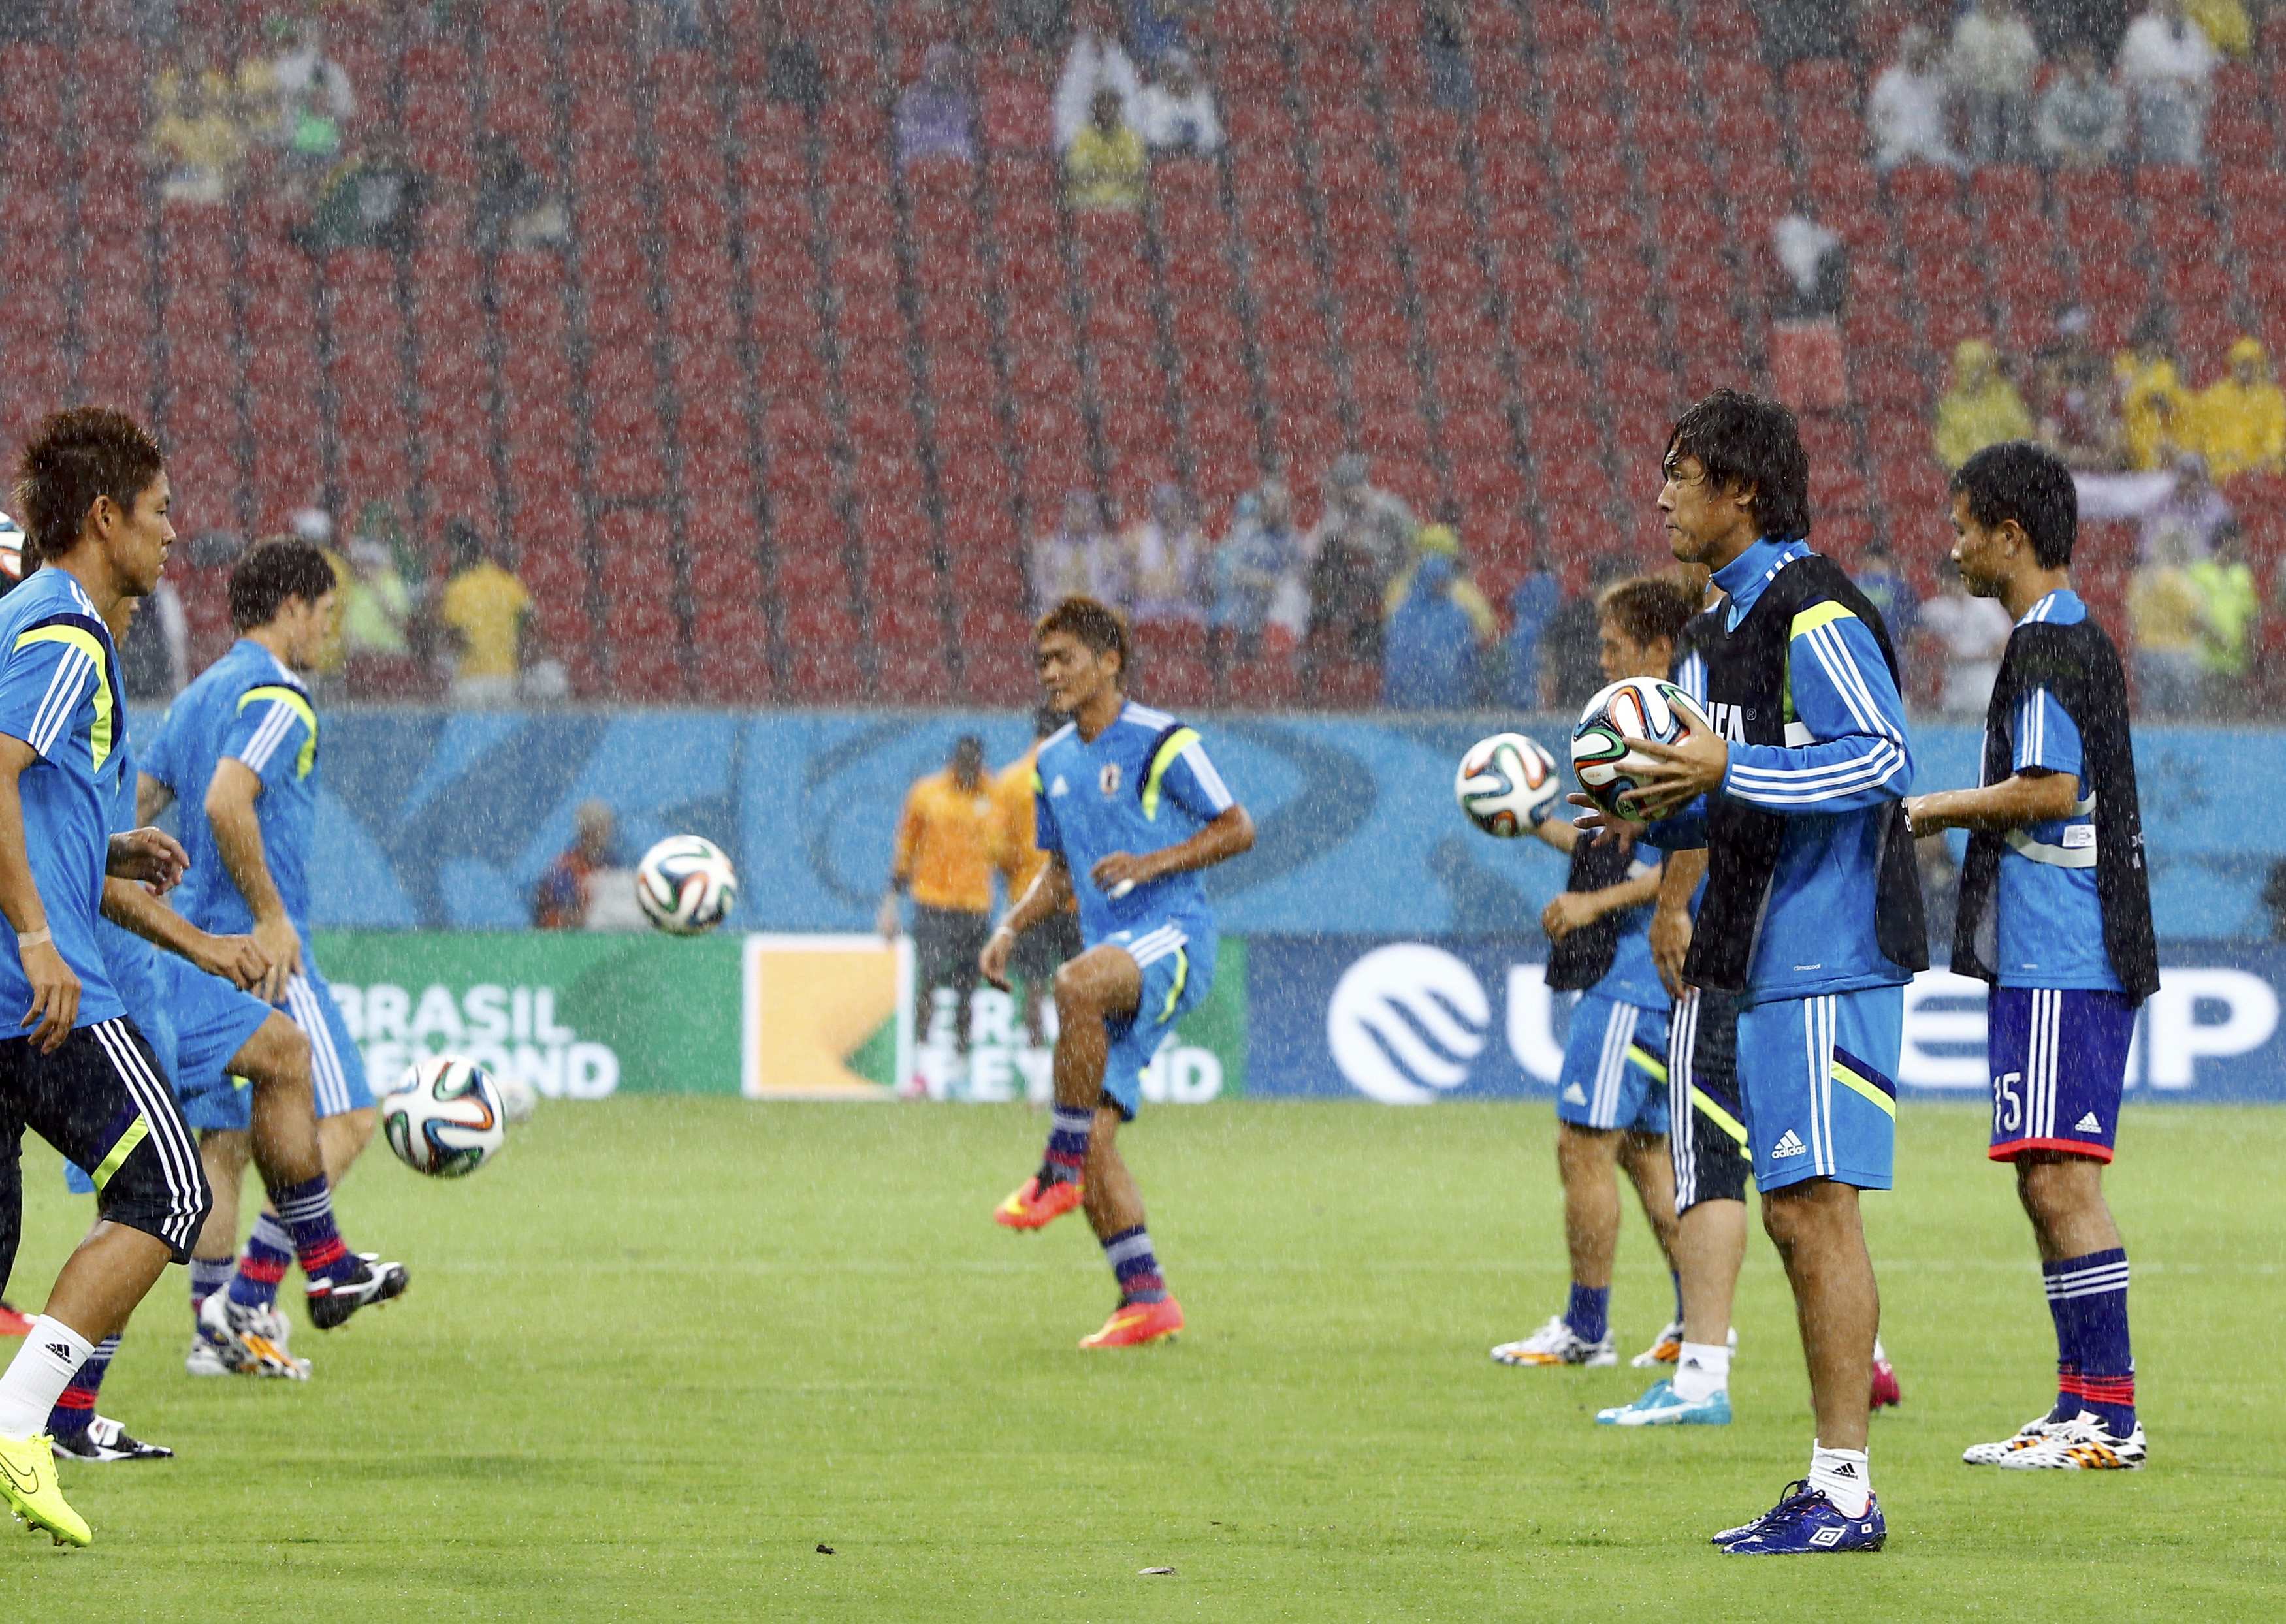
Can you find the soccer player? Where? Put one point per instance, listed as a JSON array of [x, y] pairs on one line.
[[1043, 950], [1129, 810], [946, 838], [94, 494], [1813, 910], [239, 748], [2055, 912], [1611, 1097]]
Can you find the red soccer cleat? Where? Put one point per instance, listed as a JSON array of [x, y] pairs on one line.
[[1886, 1391], [12, 1323], [1035, 1205], [1133, 1324]]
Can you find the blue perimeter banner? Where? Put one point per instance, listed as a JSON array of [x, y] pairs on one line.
[[442, 820], [1409, 1022]]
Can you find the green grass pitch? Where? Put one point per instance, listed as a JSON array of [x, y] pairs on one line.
[[666, 1349]]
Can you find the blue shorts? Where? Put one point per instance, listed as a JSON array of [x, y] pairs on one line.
[[213, 1021], [1614, 1067], [216, 1104], [2059, 1063], [1178, 969], [1816, 1080]]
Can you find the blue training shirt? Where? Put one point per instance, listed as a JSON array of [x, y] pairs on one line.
[[2051, 925], [59, 694], [1633, 977], [1142, 784], [133, 962], [246, 706], [1847, 755]]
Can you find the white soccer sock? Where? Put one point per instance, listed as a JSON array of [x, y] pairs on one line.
[[1878, 1355], [1845, 1475], [1701, 1370], [43, 1366]]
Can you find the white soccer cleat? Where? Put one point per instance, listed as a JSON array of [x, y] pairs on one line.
[[240, 1338], [1992, 1455], [1555, 1343], [2082, 1444], [1668, 1348]]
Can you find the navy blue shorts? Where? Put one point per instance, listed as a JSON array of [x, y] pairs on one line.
[[2059, 1063]]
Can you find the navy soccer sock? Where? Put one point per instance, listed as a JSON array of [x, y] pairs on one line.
[[1072, 1127], [1588, 1313], [2066, 1323], [76, 1407], [2093, 1291], [306, 1213], [209, 1276], [1135, 1266], [268, 1253]]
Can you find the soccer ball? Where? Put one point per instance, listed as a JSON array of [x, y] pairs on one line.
[[445, 1118], [685, 884], [1506, 784], [1603, 751], [12, 548]]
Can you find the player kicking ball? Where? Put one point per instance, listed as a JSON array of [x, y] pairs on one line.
[[2055, 913], [1129, 809], [1611, 1095]]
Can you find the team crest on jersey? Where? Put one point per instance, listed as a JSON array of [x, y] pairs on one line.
[[1108, 778]]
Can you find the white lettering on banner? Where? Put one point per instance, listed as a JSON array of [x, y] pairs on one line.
[[1382, 1006], [1944, 1032], [2177, 1039], [511, 1031], [1003, 1065], [1532, 1023]]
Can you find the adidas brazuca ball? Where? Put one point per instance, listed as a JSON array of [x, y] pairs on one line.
[[1506, 784], [1603, 745], [686, 886], [445, 1118]]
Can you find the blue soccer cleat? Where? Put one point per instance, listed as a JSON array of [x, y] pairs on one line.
[[1804, 1523], [1662, 1407]]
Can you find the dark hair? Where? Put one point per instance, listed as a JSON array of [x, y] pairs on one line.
[[1743, 439], [74, 457], [2029, 483], [1647, 610], [262, 582], [1099, 628]]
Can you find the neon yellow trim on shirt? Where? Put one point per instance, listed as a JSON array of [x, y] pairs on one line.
[[294, 700], [100, 736], [1176, 742], [1175, 993], [1819, 614], [1850, 1080], [137, 1132]]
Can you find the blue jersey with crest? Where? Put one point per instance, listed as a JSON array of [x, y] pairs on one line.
[[1142, 784], [59, 694], [248, 707]]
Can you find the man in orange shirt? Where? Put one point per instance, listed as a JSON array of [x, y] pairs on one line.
[[1039, 953], [947, 841]]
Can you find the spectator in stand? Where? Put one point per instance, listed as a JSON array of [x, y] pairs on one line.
[[1096, 62], [484, 613], [2083, 118], [1160, 27], [1257, 569], [936, 114], [375, 201], [1981, 408], [1445, 47], [1991, 66], [2156, 411], [376, 616], [2073, 399], [1971, 633], [513, 208], [1080, 557], [1574, 651], [2225, 24], [2194, 507], [1363, 538], [566, 886], [1530, 608], [199, 149], [2242, 417], [2167, 64], [1905, 110], [1167, 560], [1432, 542], [1107, 168], [2231, 603], [2166, 625], [1883, 581], [303, 66], [1176, 113], [1429, 650]]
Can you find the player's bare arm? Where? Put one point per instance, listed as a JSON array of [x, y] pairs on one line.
[[1230, 833], [152, 798], [1050, 893], [1577, 910], [2030, 797], [1670, 921], [147, 857], [238, 839], [55, 989], [239, 960]]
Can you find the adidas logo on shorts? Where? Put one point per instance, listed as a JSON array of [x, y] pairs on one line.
[[2087, 1124], [1789, 1145], [1575, 1095]]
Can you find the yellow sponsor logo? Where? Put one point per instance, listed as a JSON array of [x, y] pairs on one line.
[[812, 1003]]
